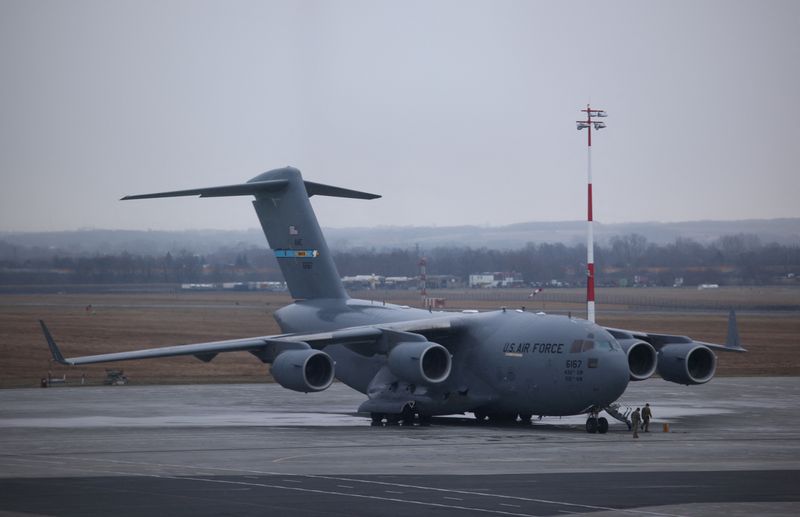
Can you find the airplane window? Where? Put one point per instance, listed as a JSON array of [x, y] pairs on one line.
[[611, 345], [581, 345]]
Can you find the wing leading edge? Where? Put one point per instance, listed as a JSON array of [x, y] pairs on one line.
[[658, 341], [364, 340], [266, 346]]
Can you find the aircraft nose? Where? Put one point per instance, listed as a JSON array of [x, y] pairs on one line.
[[618, 375]]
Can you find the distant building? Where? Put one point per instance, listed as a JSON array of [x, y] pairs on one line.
[[372, 281], [198, 287], [401, 282], [236, 286], [444, 282], [481, 280], [496, 279]]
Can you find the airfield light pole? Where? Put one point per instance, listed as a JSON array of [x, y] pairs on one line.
[[588, 124]]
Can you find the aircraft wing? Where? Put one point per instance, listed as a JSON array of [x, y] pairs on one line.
[[363, 340], [658, 341]]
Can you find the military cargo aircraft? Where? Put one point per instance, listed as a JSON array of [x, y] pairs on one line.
[[412, 363]]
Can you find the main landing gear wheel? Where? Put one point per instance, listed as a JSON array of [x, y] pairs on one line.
[[503, 418], [592, 425], [602, 425], [407, 416]]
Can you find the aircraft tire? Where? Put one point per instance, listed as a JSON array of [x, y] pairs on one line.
[[503, 418], [377, 420], [480, 416], [591, 425], [602, 425], [407, 416], [525, 418]]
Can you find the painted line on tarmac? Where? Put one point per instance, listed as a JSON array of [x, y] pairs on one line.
[[248, 485], [359, 496], [374, 482]]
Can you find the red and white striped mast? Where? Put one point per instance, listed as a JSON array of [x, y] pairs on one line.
[[587, 124]]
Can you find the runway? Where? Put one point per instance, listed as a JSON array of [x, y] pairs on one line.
[[733, 448]]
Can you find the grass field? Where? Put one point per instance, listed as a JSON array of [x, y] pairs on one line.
[[769, 324]]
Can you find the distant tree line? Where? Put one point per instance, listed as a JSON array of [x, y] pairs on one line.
[[182, 267], [626, 260]]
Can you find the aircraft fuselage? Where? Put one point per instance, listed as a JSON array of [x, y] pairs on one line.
[[509, 361]]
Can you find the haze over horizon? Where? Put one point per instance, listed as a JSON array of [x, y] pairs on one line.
[[458, 113], [255, 227]]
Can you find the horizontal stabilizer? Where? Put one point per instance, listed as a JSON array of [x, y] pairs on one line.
[[256, 187], [318, 189], [287, 218], [242, 189]]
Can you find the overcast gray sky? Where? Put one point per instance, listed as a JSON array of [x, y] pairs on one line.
[[457, 112]]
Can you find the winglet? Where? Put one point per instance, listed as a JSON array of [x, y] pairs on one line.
[[57, 357], [732, 341]]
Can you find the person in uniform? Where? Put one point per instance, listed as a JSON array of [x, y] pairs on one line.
[[647, 414], [636, 420]]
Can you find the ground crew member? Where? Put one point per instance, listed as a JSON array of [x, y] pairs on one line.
[[636, 420], [646, 416]]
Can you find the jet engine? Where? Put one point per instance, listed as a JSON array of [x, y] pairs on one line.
[[686, 363], [642, 358], [303, 370], [420, 362]]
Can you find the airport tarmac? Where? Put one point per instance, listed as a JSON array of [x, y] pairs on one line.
[[733, 448]]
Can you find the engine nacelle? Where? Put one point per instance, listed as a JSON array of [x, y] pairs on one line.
[[420, 362], [303, 370], [686, 363], [642, 358]]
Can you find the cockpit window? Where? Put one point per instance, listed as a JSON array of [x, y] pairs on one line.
[[581, 345], [608, 345], [585, 345]]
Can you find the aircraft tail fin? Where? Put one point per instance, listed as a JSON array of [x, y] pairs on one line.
[[290, 226]]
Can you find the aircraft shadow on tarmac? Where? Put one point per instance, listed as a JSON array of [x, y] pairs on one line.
[[470, 422]]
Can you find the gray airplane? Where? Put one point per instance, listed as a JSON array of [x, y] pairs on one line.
[[414, 364]]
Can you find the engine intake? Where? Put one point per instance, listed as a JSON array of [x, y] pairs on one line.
[[642, 358], [303, 370], [686, 363], [420, 362]]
